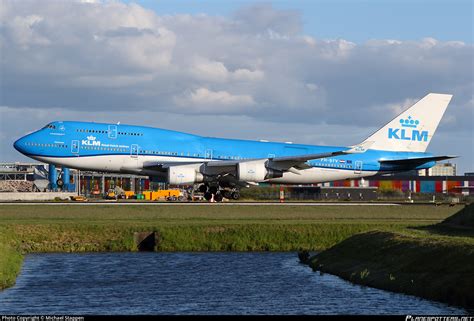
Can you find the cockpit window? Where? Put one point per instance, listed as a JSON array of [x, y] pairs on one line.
[[50, 126]]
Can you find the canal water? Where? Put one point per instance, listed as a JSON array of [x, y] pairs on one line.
[[194, 283]]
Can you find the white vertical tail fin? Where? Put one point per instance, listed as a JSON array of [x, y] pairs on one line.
[[412, 130]]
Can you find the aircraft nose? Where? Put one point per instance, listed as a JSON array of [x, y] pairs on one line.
[[19, 145]]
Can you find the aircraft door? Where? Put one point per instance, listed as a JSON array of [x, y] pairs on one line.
[[75, 147], [113, 131], [134, 151], [208, 154], [358, 167]]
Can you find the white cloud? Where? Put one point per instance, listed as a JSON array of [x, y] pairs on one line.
[[245, 74], [312, 87], [147, 51], [116, 81], [59, 51], [25, 33], [216, 71], [428, 42], [336, 49], [203, 100], [210, 70]]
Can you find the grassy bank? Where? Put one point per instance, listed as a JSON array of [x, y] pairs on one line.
[[433, 262], [10, 262], [42, 228]]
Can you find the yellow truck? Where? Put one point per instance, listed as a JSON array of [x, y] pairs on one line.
[[164, 194]]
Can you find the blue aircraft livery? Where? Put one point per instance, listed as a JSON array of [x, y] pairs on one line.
[[223, 166]]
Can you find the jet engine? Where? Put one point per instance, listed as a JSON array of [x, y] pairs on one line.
[[256, 171], [184, 175]]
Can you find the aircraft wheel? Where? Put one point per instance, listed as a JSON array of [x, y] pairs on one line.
[[203, 188], [218, 197], [213, 189], [235, 195], [208, 196], [60, 182], [227, 194]]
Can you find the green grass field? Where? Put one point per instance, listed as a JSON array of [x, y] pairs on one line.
[[435, 269], [43, 228]]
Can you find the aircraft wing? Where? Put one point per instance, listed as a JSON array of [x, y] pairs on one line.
[[158, 166], [284, 159], [299, 162], [283, 163], [295, 160]]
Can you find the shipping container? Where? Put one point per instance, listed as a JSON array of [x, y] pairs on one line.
[[427, 186]]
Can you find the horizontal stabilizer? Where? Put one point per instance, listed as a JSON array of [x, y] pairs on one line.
[[361, 148], [415, 161]]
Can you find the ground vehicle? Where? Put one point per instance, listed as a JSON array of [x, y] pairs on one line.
[[79, 198], [115, 193], [165, 194], [130, 195]]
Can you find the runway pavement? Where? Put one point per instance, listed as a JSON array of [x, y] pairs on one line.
[[114, 203]]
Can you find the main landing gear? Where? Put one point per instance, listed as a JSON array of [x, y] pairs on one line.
[[217, 193]]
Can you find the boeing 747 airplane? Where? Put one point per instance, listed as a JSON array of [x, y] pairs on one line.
[[222, 166]]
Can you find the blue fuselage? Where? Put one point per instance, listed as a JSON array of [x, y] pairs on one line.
[[61, 141]]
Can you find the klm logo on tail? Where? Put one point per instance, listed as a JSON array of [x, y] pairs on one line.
[[408, 131]]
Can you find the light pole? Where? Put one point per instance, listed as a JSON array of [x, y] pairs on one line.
[[78, 182]]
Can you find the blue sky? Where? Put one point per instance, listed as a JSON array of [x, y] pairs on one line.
[[353, 20]]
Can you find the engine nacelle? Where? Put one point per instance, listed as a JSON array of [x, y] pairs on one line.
[[256, 171], [184, 175]]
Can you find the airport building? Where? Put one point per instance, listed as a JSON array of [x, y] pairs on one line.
[[440, 169], [41, 178], [37, 177]]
